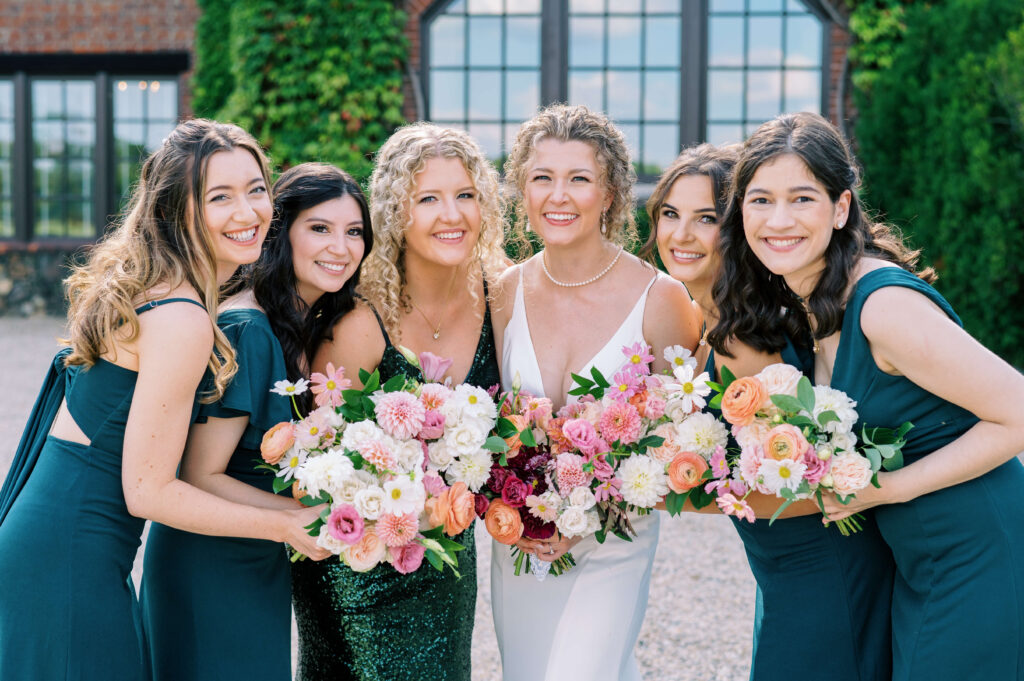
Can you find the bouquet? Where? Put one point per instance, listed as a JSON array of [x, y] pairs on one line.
[[796, 441], [367, 453], [613, 454]]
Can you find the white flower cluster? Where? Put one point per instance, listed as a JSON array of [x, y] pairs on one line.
[[577, 516]]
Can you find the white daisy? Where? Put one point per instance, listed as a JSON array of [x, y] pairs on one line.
[[471, 402], [781, 474], [678, 356], [402, 495], [690, 389], [288, 389], [291, 462]]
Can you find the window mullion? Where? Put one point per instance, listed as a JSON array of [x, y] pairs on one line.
[[554, 74], [694, 60], [22, 182], [103, 192]]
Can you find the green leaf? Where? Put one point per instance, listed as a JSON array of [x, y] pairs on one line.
[[787, 403], [371, 385], [495, 444], [352, 413], [580, 391], [600, 536], [280, 485], [874, 457], [308, 500], [435, 560], [805, 393], [364, 376], [368, 405], [781, 508], [699, 498], [582, 382], [727, 377], [599, 378], [894, 462], [904, 429], [717, 387], [674, 503], [801, 421], [653, 441], [716, 402], [395, 383], [505, 427], [352, 397], [526, 437], [826, 417]]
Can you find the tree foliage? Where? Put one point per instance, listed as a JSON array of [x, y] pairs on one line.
[[939, 93], [212, 82], [314, 80]]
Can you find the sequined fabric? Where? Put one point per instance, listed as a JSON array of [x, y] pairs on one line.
[[382, 625]]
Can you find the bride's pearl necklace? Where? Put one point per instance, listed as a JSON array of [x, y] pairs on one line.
[[606, 270]]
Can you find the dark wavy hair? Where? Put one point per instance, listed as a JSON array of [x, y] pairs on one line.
[[713, 162], [298, 327], [759, 309]]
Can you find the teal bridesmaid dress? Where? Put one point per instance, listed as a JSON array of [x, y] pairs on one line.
[[382, 625], [822, 600], [958, 598], [219, 608], [67, 541]]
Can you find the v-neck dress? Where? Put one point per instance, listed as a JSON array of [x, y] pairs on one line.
[[584, 623], [958, 598], [382, 625]]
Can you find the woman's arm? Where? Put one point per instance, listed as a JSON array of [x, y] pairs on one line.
[[922, 343], [357, 343], [173, 347], [670, 319], [207, 453]]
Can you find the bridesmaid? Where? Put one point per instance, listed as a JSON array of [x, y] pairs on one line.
[[796, 555], [797, 236], [438, 231], [572, 307], [101, 449], [198, 590]]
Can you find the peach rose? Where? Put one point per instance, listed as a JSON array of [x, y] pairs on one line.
[[669, 449], [298, 491], [742, 399], [779, 379], [850, 473], [455, 509], [503, 522], [277, 441], [686, 471], [513, 441], [366, 553], [785, 442]]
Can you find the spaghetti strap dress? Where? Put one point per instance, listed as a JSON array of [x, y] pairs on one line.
[[958, 598], [812, 582], [207, 600], [67, 542], [382, 625]]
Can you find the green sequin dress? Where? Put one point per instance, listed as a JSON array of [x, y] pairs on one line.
[[385, 626]]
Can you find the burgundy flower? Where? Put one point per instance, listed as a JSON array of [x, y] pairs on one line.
[[535, 528], [514, 492], [481, 503], [497, 480]]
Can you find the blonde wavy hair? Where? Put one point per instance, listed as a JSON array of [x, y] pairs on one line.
[[161, 242], [577, 123], [392, 185]]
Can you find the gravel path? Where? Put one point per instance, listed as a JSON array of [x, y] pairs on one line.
[[702, 593]]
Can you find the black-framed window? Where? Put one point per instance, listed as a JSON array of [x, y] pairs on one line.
[[145, 111], [6, 158], [670, 73]]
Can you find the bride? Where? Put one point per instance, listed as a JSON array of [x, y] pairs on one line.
[[574, 306]]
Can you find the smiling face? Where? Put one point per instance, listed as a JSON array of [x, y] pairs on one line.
[[788, 219], [444, 222], [236, 209], [688, 231], [327, 246], [563, 194]]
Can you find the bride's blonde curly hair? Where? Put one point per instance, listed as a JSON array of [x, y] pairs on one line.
[[577, 123], [392, 186], [160, 243]]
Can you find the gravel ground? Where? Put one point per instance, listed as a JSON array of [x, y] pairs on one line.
[[698, 622]]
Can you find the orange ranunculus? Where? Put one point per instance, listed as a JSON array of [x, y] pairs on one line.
[[298, 491], [455, 509], [513, 441], [686, 471], [503, 522], [742, 399], [785, 442], [277, 441]]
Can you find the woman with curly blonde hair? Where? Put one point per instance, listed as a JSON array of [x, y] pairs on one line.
[[101, 449], [572, 307], [437, 243]]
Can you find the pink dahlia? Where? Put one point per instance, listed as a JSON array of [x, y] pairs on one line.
[[400, 414], [569, 469], [407, 557], [327, 387], [620, 422], [345, 523], [397, 530], [377, 453]]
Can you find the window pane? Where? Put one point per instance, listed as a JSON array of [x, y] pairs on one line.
[[624, 6], [522, 94], [47, 177], [522, 47], [661, 95], [586, 6], [662, 41], [47, 100], [49, 218], [163, 99], [81, 99], [795, 6], [586, 42], [6, 219], [48, 139], [672, 6], [446, 94], [725, 95], [587, 87], [447, 41], [803, 41], [726, 5], [81, 138], [624, 95], [484, 41], [624, 41], [485, 6], [485, 94], [523, 7], [128, 140], [764, 94], [632, 135], [80, 178], [125, 175], [725, 42], [765, 5], [765, 41], [724, 134], [6, 100], [6, 187], [127, 100], [803, 91], [661, 146], [80, 219]]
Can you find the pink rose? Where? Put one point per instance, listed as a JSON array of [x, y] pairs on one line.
[[433, 484], [654, 408], [779, 379], [669, 449], [345, 524], [408, 557], [850, 472], [581, 434], [514, 492], [816, 467], [366, 553], [433, 367], [277, 441], [433, 425]]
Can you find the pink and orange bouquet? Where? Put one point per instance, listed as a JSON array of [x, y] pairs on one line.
[[796, 441], [371, 455]]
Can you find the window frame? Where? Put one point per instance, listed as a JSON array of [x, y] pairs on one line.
[[693, 92]]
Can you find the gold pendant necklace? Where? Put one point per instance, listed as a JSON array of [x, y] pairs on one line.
[[444, 308]]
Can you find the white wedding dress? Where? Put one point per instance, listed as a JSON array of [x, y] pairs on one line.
[[585, 623]]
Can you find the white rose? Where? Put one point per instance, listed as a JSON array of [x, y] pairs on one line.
[[572, 522], [466, 437], [345, 490], [409, 455], [359, 434], [582, 497], [440, 455], [846, 441], [326, 541], [830, 399], [593, 522], [780, 379], [369, 502]]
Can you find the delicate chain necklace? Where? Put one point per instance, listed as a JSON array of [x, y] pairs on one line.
[[703, 334], [606, 270], [444, 308]]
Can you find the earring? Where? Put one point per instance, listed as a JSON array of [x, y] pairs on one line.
[[604, 222]]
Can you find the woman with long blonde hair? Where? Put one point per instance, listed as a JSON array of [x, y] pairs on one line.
[[101, 449], [570, 308], [437, 244]]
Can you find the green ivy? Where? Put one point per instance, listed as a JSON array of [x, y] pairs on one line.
[[212, 82], [315, 80], [940, 137]]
